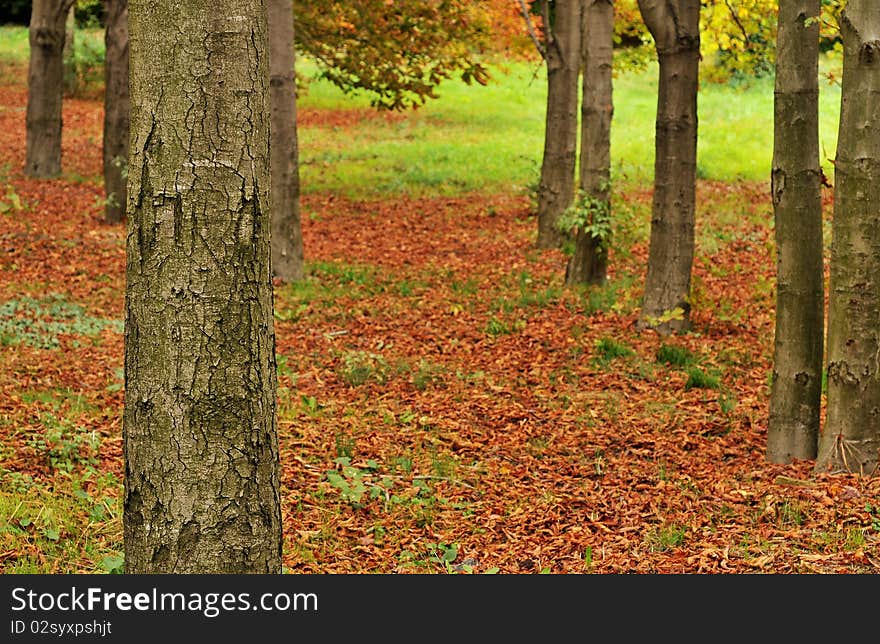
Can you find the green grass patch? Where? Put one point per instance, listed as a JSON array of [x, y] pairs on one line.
[[666, 537], [607, 350], [675, 356], [500, 326], [615, 296], [324, 284], [699, 379], [361, 367], [14, 47], [72, 524], [435, 150]]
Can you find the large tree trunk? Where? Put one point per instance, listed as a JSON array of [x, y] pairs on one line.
[[563, 58], [850, 440], [589, 263], [287, 243], [45, 83], [674, 24], [116, 108], [796, 393], [199, 429]]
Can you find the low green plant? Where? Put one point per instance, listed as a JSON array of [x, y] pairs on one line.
[[699, 379], [40, 322], [348, 480], [467, 287], [666, 537], [854, 539], [496, 327], [67, 524], [791, 513], [589, 214], [364, 276], [606, 350], [874, 513], [674, 314], [113, 564], [360, 367], [65, 444], [675, 356], [727, 402], [11, 203], [310, 406], [84, 69], [356, 482], [427, 375], [611, 297]]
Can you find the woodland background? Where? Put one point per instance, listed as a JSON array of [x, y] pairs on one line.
[[446, 404]]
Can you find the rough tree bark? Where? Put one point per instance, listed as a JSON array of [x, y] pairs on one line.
[[850, 440], [674, 24], [287, 243], [116, 108], [199, 426], [45, 84], [562, 53], [796, 392], [589, 263]]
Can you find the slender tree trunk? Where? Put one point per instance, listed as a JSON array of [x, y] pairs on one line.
[[796, 393], [589, 263], [287, 243], [563, 57], [45, 83], [674, 24], [68, 55], [850, 440], [199, 428], [116, 108]]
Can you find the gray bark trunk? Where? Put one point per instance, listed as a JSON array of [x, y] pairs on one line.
[[796, 392], [674, 24], [850, 440], [563, 58], [287, 243], [116, 108], [589, 263], [199, 427], [45, 83]]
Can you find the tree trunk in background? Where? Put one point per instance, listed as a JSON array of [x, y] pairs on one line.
[[796, 393], [116, 108], [199, 428], [45, 83], [674, 24], [69, 64], [850, 440], [563, 57], [287, 243], [589, 264]]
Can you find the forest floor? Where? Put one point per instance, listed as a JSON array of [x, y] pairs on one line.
[[445, 405]]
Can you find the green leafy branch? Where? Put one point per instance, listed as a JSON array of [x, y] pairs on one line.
[[590, 214]]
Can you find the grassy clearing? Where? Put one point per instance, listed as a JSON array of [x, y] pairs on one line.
[[13, 43], [490, 138]]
